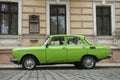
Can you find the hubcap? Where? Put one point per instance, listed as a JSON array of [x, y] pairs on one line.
[[89, 62], [29, 63]]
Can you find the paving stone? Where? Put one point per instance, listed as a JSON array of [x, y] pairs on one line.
[[99, 73]]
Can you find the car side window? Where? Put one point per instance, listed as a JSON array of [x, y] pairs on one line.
[[57, 41], [74, 41]]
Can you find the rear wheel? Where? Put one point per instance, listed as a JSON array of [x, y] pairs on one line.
[[88, 62], [29, 62]]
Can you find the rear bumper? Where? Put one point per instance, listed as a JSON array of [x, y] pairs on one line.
[[14, 60]]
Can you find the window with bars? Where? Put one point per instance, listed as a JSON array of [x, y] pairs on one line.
[[103, 19], [8, 18]]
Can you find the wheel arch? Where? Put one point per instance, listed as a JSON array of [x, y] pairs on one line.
[[96, 59], [31, 55]]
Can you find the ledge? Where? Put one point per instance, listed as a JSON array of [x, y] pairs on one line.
[[115, 47], [9, 48], [10, 36], [34, 36]]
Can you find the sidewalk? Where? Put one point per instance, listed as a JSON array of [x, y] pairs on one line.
[[9, 66], [108, 64], [61, 65]]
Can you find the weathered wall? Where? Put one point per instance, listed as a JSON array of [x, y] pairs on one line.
[[33, 7], [81, 17]]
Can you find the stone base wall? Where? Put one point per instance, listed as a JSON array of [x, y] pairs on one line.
[[5, 56]]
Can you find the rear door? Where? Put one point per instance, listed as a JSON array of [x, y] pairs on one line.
[[75, 49]]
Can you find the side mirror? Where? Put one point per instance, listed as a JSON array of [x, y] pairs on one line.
[[47, 45]]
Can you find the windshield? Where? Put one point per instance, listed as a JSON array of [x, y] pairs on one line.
[[86, 39], [46, 41]]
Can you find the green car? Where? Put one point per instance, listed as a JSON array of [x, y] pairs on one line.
[[59, 49]]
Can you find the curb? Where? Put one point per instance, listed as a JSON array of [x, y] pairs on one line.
[[108, 64]]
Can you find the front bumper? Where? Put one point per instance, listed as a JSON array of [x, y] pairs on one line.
[[14, 60], [109, 56]]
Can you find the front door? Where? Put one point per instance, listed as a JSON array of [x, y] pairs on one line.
[[57, 19], [56, 51]]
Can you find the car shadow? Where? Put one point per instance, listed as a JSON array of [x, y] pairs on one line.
[[43, 68], [61, 68], [106, 67]]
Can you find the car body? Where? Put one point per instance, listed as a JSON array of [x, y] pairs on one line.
[[73, 49]]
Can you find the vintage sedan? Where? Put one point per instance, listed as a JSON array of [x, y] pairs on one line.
[[59, 49]]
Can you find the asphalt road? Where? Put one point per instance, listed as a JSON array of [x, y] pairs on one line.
[[61, 73]]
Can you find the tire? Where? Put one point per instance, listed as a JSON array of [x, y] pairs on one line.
[[88, 62], [78, 65], [29, 63]]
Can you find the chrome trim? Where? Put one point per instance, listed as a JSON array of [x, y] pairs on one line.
[[14, 60]]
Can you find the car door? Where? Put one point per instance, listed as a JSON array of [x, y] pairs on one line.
[[75, 49], [56, 51]]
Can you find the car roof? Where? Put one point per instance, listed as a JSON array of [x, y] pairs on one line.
[[65, 35]]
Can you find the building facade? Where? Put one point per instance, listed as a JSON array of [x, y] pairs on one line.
[[29, 22]]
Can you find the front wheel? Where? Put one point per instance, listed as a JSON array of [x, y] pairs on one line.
[[29, 63], [88, 62]]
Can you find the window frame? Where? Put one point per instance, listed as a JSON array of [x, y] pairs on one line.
[[74, 43], [112, 5], [54, 2], [19, 15], [57, 37], [9, 13], [57, 15], [103, 16]]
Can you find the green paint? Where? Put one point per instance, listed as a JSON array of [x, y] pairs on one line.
[[63, 53]]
